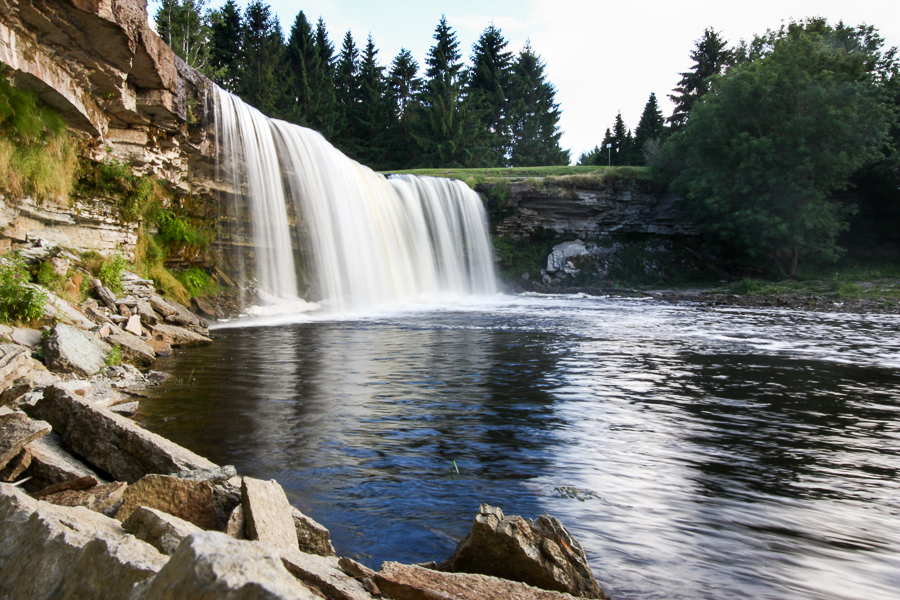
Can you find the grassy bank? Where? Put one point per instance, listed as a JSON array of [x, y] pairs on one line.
[[564, 177]]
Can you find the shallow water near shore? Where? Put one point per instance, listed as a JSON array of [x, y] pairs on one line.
[[695, 454]]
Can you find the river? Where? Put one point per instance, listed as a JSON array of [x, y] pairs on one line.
[[694, 453]]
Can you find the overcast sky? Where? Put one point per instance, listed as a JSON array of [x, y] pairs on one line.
[[602, 57]]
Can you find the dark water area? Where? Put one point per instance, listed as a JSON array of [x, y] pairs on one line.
[[730, 454]]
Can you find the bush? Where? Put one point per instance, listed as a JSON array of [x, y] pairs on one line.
[[111, 272], [19, 299], [197, 282]]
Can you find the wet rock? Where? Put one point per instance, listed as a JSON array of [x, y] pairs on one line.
[[133, 348], [267, 513], [212, 566], [161, 348], [408, 582], [542, 554], [312, 537], [26, 337], [177, 336], [183, 316], [185, 499], [112, 442], [324, 575], [16, 466], [99, 498], [51, 464], [16, 431], [68, 349], [159, 529], [67, 552]]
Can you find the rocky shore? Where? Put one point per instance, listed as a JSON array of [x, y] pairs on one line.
[[94, 506]]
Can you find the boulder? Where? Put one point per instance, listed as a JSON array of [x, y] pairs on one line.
[[161, 306], [134, 349], [324, 575], [16, 466], [112, 442], [212, 566], [51, 464], [99, 498], [189, 500], [26, 337], [50, 551], [148, 315], [15, 363], [159, 529], [160, 347], [542, 554], [134, 325], [68, 349], [267, 513], [16, 431], [312, 537], [177, 336], [410, 582], [183, 316]]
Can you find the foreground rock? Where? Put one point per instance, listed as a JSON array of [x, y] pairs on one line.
[[212, 566], [408, 582], [326, 576], [15, 363], [159, 529], [49, 551], [191, 501], [312, 537], [16, 431], [99, 498], [51, 464], [542, 554], [267, 513], [70, 350], [112, 442]]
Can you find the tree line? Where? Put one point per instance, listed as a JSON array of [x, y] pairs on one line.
[[498, 111], [779, 145]]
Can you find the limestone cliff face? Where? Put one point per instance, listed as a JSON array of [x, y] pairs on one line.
[[121, 88], [597, 212]]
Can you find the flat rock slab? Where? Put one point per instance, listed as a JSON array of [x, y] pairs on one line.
[[51, 464], [50, 551], [70, 350], [134, 349], [177, 336], [159, 529], [212, 566], [408, 582], [98, 498], [324, 574], [189, 500], [134, 325], [27, 337], [312, 537], [267, 513], [17, 431], [112, 442]]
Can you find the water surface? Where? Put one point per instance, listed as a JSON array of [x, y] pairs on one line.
[[728, 454]]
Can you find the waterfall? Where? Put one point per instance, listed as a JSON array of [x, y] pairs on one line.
[[368, 239]]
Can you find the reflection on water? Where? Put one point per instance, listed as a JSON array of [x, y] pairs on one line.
[[704, 455]]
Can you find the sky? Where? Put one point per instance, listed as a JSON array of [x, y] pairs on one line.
[[603, 57]]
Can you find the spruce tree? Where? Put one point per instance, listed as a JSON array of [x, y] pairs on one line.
[[310, 90], [711, 57], [489, 84], [261, 82], [225, 45], [403, 90], [347, 93], [325, 48], [374, 109], [449, 130], [535, 115], [650, 128]]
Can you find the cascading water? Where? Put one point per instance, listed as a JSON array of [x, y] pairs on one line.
[[370, 239]]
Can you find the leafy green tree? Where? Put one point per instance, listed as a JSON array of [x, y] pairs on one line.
[[777, 135], [489, 84], [711, 57], [650, 128], [449, 130], [261, 81], [404, 87], [534, 115], [225, 45], [184, 26]]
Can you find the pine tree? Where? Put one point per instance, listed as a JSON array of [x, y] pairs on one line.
[[449, 130], [535, 115], [489, 84], [261, 82], [325, 48], [403, 89], [310, 90], [650, 128], [622, 151], [225, 45], [711, 57], [374, 109], [347, 93]]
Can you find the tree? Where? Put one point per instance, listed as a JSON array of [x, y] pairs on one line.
[[534, 115], [489, 84], [261, 71], [776, 136], [650, 128], [711, 57], [183, 25], [310, 91], [346, 83], [225, 45], [374, 110], [404, 87], [449, 130]]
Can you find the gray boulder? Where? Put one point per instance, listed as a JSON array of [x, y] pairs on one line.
[[26, 337], [134, 349], [542, 554], [212, 566], [70, 350], [112, 442]]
